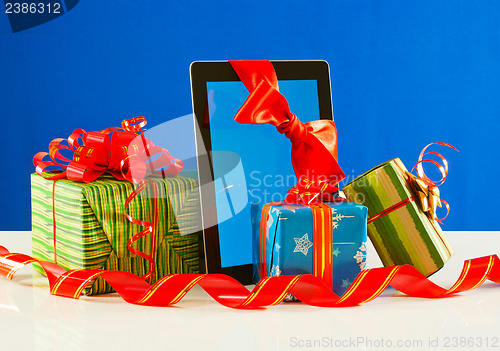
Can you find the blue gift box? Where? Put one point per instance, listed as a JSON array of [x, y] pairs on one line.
[[289, 241]]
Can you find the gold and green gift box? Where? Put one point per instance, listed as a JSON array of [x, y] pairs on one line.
[[401, 232], [90, 231]]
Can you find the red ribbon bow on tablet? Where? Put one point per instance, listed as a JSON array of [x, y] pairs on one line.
[[314, 144]]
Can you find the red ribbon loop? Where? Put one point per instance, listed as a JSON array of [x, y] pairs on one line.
[[442, 168], [135, 124]]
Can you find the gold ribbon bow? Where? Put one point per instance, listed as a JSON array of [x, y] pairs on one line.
[[428, 196], [427, 189]]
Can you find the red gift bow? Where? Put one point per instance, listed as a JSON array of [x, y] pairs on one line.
[[314, 144], [124, 153], [170, 289]]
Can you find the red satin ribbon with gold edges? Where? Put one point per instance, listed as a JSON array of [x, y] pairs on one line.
[[169, 290], [314, 144], [124, 153]]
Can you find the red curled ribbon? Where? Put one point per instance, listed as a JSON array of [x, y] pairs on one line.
[[427, 189], [314, 144], [170, 289], [124, 153]]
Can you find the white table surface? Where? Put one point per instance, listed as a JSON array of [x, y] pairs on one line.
[[32, 319]]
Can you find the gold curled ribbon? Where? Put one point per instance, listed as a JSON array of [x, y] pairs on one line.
[[427, 189]]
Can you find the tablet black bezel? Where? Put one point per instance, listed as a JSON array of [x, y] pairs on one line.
[[221, 71]]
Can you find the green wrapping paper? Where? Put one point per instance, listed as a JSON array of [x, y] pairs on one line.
[[406, 235], [92, 231]]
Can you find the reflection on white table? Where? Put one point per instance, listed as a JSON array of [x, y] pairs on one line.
[[32, 319]]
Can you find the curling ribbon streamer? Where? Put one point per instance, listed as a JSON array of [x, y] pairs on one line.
[[426, 189], [314, 144], [124, 153], [169, 290]]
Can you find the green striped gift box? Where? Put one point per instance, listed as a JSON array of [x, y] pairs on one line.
[[406, 235], [92, 231]]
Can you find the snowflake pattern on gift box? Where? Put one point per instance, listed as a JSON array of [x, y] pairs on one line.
[[302, 244], [361, 256], [337, 217]]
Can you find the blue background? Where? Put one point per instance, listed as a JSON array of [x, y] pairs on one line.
[[404, 73], [267, 175]]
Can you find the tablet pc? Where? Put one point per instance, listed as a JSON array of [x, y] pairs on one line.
[[239, 164]]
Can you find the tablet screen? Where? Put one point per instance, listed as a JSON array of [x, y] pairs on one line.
[[265, 159]]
